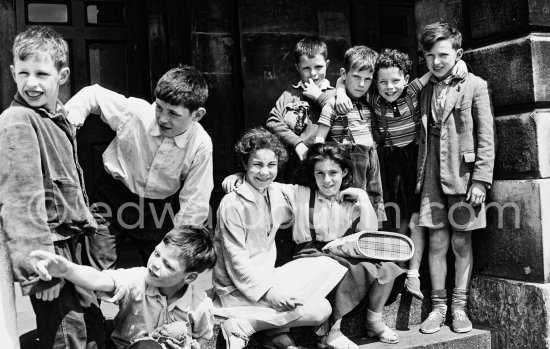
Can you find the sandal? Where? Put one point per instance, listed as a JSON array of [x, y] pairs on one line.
[[279, 341], [335, 339], [234, 339], [382, 331]]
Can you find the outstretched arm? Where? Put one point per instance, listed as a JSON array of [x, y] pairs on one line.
[[50, 265]]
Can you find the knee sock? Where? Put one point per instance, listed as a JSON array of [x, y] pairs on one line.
[[373, 317], [460, 299], [439, 301]]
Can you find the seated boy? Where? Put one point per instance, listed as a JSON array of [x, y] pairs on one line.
[[42, 200], [354, 129], [149, 297], [294, 117], [159, 162], [455, 168]]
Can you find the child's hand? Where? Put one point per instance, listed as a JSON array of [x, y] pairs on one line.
[[311, 90], [343, 103], [51, 293], [301, 150], [354, 194], [476, 194], [232, 182], [280, 301], [49, 265], [460, 70]]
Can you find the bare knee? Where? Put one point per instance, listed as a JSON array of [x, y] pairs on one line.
[[439, 242], [462, 243]]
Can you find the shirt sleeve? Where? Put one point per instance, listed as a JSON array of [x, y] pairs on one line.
[[202, 320], [326, 96], [24, 220], [328, 114], [236, 254], [95, 99], [276, 124], [414, 88], [194, 196]]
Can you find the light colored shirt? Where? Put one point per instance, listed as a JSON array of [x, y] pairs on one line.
[[441, 90], [149, 164], [331, 219], [359, 123], [144, 308], [246, 249]]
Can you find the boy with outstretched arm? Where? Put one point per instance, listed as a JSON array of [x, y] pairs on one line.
[[156, 303], [159, 163], [43, 204], [455, 169]]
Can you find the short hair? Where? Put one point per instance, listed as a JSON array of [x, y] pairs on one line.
[[259, 138], [360, 58], [332, 151], [196, 247], [389, 58], [183, 86], [41, 39], [310, 46], [440, 31]]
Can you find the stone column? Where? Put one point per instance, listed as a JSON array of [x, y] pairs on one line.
[[8, 319], [508, 44]]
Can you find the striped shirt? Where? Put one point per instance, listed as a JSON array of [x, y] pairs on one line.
[[401, 125], [359, 123]]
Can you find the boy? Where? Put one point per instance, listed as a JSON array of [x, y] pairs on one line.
[[160, 161], [396, 122], [353, 129], [43, 204], [294, 117], [455, 169], [154, 296]]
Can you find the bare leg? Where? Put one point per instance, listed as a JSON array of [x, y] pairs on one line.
[[461, 242], [377, 296], [439, 245]]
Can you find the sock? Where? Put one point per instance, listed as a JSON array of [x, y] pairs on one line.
[[460, 298], [439, 301], [413, 273], [373, 317]]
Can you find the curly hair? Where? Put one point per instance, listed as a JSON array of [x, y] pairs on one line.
[[41, 39], [389, 58], [332, 151], [184, 86], [259, 138]]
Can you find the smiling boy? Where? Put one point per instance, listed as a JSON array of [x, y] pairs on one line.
[[159, 163], [149, 297], [43, 204]]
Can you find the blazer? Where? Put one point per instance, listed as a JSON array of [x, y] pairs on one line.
[[467, 140]]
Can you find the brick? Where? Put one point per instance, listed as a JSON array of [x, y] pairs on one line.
[[504, 17], [516, 242], [516, 311], [523, 150], [516, 70]]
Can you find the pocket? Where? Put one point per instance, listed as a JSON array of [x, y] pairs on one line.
[[69, 202], [469, 156]]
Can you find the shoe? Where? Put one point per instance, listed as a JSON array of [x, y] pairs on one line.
[[234, 338], [335, 339], [433, 323], [279, 341], [382, 331], [461, 323], [412, 285]]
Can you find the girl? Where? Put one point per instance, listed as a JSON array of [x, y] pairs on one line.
[[252, 293]]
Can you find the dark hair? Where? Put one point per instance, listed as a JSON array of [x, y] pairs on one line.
[[360, 58], [184, 86], [333, 151], [259, 138], [196, 246], [41, 39], [310, 46], [389, 58], [440, 31]]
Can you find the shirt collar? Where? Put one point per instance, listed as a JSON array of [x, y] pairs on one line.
[[59, 108], [325, 85], [180, 140], [447, 81], [324, 198], [247, 191], [182, 303]]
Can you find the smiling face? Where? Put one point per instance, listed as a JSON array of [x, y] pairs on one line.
[[391, 82], [174, 120], [328, 176], [261, 168], [38, 80], [441, 58], [165, 268], [312, 68], [357, 81]]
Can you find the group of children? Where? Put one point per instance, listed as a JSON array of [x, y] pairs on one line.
[[425, 148]]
